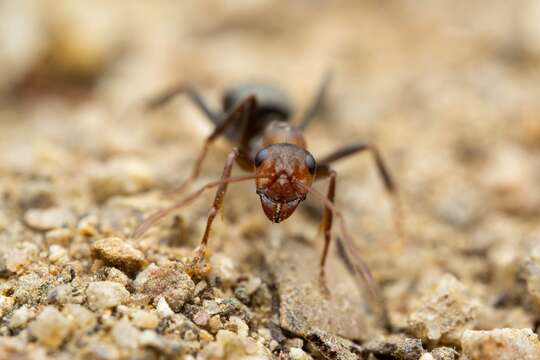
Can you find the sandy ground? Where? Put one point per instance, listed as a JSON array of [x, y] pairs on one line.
[[447, 91]]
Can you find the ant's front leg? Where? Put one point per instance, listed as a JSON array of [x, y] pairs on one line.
[[384, 175], [326, 225], [200, 252]]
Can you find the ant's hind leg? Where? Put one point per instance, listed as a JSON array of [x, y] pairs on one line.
[[385, 177], [200, 252], [317, 103], [193, 95], [242, 112]]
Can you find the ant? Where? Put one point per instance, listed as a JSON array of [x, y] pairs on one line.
[[256, 118]]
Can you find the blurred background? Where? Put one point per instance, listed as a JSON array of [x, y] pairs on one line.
[[448, 90]]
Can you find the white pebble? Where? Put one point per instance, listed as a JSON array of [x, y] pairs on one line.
[[56, 252], [106, 294], [298, 354], [163, 308]]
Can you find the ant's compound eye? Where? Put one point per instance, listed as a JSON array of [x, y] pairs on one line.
[[311, 164], [261, 156]]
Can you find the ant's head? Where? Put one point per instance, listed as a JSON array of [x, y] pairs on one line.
[[282, 167]]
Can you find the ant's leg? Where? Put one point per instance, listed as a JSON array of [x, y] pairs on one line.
[[317, 102], [326, 225], [192, 94], [241, 112], [218, 202], [354, 261], [384, 174]]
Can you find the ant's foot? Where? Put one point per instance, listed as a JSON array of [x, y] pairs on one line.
[[200, 254], [197, 266], [323, 287]]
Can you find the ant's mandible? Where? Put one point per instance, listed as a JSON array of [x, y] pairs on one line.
[[255, 118]]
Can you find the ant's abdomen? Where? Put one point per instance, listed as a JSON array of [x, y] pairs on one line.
[[271, 101]]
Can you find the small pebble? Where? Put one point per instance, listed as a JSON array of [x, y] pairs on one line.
[[20, 317], [115, 275], [201, 318], [444, 312], [215, 324], [298, 354], [169, 281], [6, 304], [144, 319], [61, 236], [50, 218], [151, 339], [205, 336], [201, 285], [531, 268], [265, 333], [239, 325], [501, 344], [125, 335], [57, 253], [273, 345], [223, 268], [229, 345], [29, 286], [163, 308], [106, 294], [444, 353], [18, 258], [37, 194], [118, 253], [211, 307], [50, 327], [295, 343], [61, 294], [88, 226], [82, 319]]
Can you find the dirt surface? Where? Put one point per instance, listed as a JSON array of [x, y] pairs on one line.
[[448, 92]]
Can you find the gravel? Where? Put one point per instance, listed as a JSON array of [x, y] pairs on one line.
[[82, 165]]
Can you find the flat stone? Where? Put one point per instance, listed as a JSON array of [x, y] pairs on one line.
[[303, 308]]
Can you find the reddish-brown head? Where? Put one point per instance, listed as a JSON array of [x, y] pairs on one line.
[[281, 167]]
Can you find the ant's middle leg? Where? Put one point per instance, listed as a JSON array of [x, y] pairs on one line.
[[243, 112], [389, 183], [200, 252]]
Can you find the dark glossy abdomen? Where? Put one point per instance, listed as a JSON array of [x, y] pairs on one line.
[[273, 104]]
